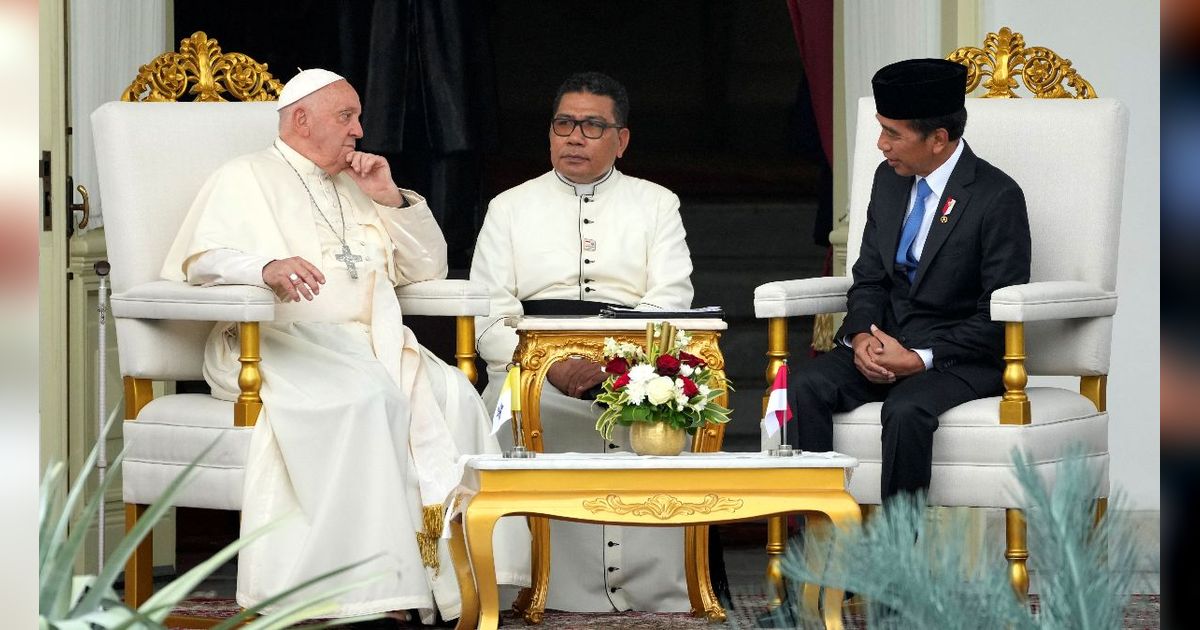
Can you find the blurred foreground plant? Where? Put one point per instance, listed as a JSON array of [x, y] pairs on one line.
[[86, 602], [914, 571]]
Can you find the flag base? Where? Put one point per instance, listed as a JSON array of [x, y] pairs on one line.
[[784, 450], [520, 452]]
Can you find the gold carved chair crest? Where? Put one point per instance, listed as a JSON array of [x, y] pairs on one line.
[[1004, 58], [202, 71]]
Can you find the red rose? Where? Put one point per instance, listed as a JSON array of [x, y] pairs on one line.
[[617, 366], [667, 365], [689, 388], [691, 359], [621, 381]]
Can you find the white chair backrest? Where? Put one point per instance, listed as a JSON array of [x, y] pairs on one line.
[[152, 159], [1069, 158]]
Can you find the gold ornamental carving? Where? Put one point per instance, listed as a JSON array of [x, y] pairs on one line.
[[200, 69], [1004, 58], [556, 344], [662, 506]]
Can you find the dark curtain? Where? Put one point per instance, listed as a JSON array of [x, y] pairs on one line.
[[812, 24], [422, 68]]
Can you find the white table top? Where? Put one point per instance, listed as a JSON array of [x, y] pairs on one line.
[[609, 323], [627, 461]]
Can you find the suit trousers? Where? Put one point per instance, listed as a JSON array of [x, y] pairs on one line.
[[831, 383]]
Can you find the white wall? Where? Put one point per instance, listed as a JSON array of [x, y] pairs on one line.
[[1114, 44]]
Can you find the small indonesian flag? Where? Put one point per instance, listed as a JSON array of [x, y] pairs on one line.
[[510, 399], [778, 412]]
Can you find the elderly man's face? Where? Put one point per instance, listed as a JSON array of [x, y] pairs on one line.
[[333, 126], [581, 159]]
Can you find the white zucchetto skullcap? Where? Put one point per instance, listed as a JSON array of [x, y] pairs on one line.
[[305, 83]]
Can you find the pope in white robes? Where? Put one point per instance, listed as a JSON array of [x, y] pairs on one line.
[[358, 443], [585, 232]]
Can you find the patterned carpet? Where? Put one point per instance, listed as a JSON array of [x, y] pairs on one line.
[[1142, 614]]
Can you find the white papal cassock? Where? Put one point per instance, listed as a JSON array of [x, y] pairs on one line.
[[361, 427], [619, 240]]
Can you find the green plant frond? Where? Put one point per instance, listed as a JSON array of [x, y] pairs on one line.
[[913, 570], [160, 604], [49, 494], [1088, 569], [74, 496], [299, 611], [322, 598], [57, 576], [344, 621], [116, 562]]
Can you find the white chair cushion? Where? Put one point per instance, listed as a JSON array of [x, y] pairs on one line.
[[170, 433], [808, 296], [444, 297], [972, 451], [166, 299], [1064, 299]]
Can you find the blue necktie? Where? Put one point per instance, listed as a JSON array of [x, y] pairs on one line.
[[912, 225]]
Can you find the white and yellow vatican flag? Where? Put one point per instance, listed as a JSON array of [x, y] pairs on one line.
[[510, 399]]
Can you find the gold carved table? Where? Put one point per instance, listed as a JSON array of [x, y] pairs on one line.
[[542, 341], [625, 489]]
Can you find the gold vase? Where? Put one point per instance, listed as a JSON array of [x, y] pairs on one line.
[[656, 438]]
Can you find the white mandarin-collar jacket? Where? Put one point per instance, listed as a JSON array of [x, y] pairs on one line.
[[623, 243]]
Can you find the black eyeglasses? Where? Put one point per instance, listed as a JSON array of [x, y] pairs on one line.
[[592, 129]]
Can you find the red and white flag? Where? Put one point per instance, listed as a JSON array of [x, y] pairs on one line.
[[778, 412]]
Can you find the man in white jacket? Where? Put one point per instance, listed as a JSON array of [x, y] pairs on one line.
[[577, 238]]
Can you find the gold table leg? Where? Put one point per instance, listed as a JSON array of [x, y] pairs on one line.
[[531, 602], [466, 578], [480, 522]]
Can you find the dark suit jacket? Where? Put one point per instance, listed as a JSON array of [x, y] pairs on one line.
[[983, 246]]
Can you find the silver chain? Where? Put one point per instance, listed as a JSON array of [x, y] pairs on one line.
[[341, 213]]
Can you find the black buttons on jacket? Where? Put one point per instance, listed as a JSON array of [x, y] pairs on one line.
[[613, 544], [587, 261], [588, 289], [588, 221], [587, 200]]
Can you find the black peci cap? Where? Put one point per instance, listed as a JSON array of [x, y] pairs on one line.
[[919, 88]]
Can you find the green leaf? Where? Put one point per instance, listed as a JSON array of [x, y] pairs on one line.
[[116, 563], [322, 598]]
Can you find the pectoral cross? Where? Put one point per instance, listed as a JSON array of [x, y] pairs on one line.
[[349, 258]]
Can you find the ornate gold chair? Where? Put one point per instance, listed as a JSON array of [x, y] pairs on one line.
[[1067, 151], [153, 155]]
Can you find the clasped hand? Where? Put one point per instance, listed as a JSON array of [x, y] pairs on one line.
[[881, 359], [575, 376]]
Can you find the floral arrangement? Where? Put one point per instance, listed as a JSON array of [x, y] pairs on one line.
[[658, 383]]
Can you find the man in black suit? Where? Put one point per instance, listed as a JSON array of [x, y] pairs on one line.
[[944, 230]]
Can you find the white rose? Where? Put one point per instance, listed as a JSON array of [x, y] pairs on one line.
[[685, 369], [660, 390]]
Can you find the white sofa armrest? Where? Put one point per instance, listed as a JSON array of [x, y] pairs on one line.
[[809, 296], [168, 299], [444, 298], [1062, 299]]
